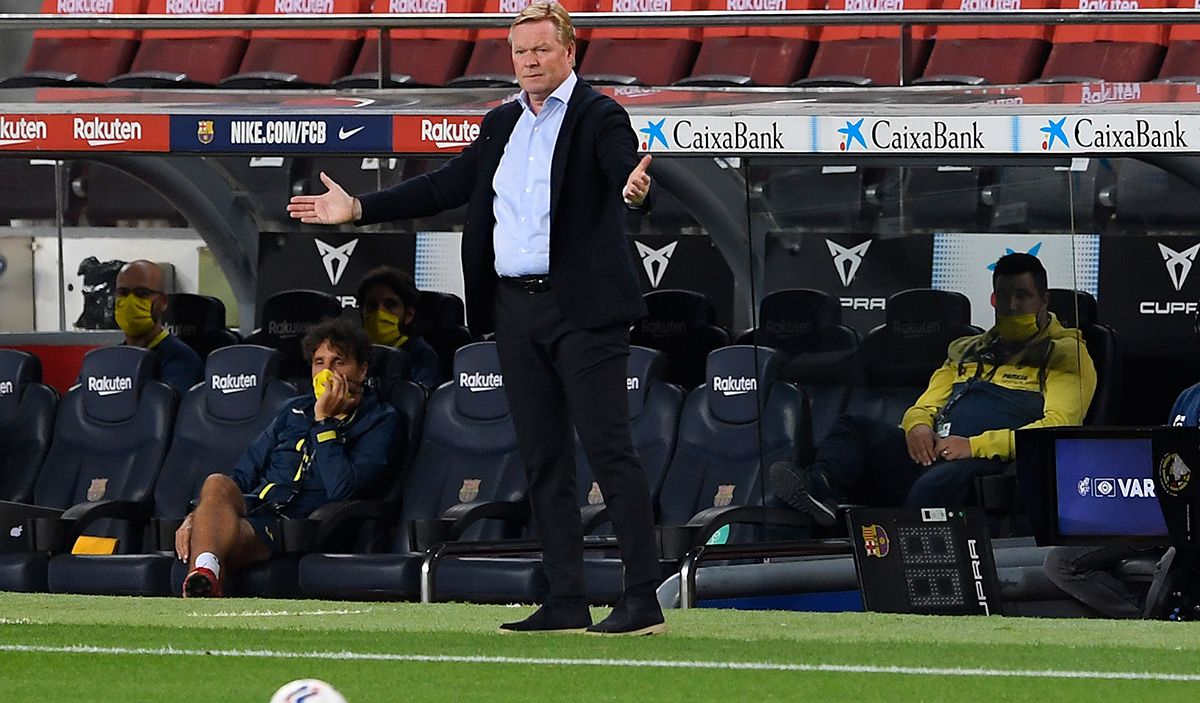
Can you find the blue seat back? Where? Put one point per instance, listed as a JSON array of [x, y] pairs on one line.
[[27, 408]]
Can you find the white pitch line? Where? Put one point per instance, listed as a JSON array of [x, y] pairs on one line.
[[634, 663], [274, 613]]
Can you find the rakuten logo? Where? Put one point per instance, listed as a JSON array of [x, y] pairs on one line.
[[449, 135], [6, 387], [632, 383], [234, 383], [303, 7], [195, 7], [508, 7], [417, 6], [1103, 92], [874, 5], [989, 5], [662, 327], [109, 385], [97, 132], [1108, 4], [288, 329], [787, 328], [734, 385], [743, 5], [21, 131], [85, 7], [479, 382], [641, 6], [916, 329]]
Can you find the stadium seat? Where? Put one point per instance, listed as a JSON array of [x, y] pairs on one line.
[[187, 58], [441, 320], [418, 57], [284, 320], [214, 426], [654, 408], [857, 56], [490, 65], [298, 58], [466, 482], [966, 54], [1109, 52], [26, 423], [111, 434], [817, 352], [1182, 60], [641, 56], [754, 56], [900, 355], [199, 320], [680, 323], [78, 57], [387, 367], [1077, 309]]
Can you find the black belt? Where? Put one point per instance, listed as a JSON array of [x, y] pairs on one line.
[[538, 283]]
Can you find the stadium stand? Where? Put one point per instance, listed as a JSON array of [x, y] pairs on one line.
[[183, 58], [654, 408], [199, 320], [681, 323], [754, 56], [284, 319], [643, 55], [80, 57], [850, 56], [491, 65], [27, 408], [466, 482], [965, 54], [1182, 60], [418, 57], [111, 434], [298, 58], [1110, 52], [212, 429]]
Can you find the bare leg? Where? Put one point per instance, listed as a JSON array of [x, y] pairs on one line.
[[219, 527]]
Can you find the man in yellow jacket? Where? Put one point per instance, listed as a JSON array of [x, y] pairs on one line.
[[1026, 371]]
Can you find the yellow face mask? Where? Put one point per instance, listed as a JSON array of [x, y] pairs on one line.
[[319, 382], [383, 327], [1016, 328], [134, 315]]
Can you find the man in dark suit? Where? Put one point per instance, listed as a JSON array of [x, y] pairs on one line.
[[547, 183]]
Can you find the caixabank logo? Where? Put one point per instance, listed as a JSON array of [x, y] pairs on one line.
[[913, 135], [718, 134], [1117, 133]]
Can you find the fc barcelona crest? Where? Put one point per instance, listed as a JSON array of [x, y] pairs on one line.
[[97, 488], [205, 131], [469, 490], [724, 495]]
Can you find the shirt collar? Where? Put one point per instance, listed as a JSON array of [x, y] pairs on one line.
[[562, 93]]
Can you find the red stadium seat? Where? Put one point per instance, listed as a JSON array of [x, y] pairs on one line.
[[1110, 52], [996, 53], [750, 56], [643, 56], [78, 57], [868, 55], [299, 58], [175, 58], [491, 59], [419, 57], [1182, 59]]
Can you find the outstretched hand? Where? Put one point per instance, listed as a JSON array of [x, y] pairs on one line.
[[638, 184], [334, 207]]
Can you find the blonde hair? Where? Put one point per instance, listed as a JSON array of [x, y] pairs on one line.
[[552, 11]]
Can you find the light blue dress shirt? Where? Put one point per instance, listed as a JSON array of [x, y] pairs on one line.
[[521, 238]]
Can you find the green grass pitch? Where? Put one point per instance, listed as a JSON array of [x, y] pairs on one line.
[[127, 650]]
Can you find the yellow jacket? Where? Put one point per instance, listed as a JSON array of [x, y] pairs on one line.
[[1067, 388]]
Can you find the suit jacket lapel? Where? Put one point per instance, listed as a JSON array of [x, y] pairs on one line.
[[562, 145]]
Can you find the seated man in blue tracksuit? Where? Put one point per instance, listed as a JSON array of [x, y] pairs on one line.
[[322, 447]]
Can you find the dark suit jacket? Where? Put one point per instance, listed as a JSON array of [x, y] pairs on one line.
[[592, 275]]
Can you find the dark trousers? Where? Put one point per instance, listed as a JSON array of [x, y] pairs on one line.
[[867, 462], [557, 376], [1088, 575]]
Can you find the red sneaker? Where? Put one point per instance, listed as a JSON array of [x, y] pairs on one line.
[[201, 583]]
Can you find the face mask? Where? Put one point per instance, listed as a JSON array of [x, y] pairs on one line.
[[1015, 328], [319, 382], [134, 315], [383, 328]]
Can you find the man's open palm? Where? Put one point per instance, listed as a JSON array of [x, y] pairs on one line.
[[332, 208]]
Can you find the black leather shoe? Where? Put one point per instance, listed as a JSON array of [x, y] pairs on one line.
[[805, 490], [546, 620], [630, 617]]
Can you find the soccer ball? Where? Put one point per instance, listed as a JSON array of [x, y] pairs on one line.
[[307, 691]]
